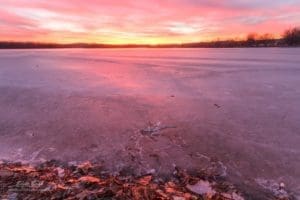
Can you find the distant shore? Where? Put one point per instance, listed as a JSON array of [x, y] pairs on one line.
[[290, 38], [215, 44]]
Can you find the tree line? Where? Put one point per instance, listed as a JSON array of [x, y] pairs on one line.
[[290, 37]]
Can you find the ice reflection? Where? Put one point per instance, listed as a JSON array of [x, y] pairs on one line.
[[238, 105], [136, 71]]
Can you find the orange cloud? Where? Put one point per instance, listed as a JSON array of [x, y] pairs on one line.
[[143, 21]]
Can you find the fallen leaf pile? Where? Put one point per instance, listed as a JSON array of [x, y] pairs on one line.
[[52, 180]]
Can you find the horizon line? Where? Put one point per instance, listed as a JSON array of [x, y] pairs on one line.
[[132, 44]]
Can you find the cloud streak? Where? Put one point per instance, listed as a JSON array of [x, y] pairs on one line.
[[143, 21]]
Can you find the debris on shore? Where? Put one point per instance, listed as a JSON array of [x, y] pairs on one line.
[[277, 189], [86, 181], [53, 180]]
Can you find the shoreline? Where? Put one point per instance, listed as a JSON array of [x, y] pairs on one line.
[[154, 47], [55, 179], [252, 43]]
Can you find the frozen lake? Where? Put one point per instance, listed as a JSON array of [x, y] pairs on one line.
[[238, 109]]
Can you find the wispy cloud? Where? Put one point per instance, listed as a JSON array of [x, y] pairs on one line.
[[142, 21]]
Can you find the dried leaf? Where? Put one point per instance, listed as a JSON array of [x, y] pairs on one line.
[[89, 179], [26, 169], [145, 180], [161, 193]]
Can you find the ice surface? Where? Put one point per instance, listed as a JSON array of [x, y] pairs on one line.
[[237, 106]]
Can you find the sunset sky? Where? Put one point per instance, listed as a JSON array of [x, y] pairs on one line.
[[143, 21]]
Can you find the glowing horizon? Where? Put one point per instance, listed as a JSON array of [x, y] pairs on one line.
[[143, 22]]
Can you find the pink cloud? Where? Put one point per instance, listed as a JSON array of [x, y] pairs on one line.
[[130, 21]]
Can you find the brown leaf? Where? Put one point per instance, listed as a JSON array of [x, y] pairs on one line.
[[60, 186], [162, 194], [89, 179], [145, 180], [71, 181], [170, 190], [26, 169], [85, 165]]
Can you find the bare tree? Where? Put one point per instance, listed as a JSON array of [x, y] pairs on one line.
[[292, 36]]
